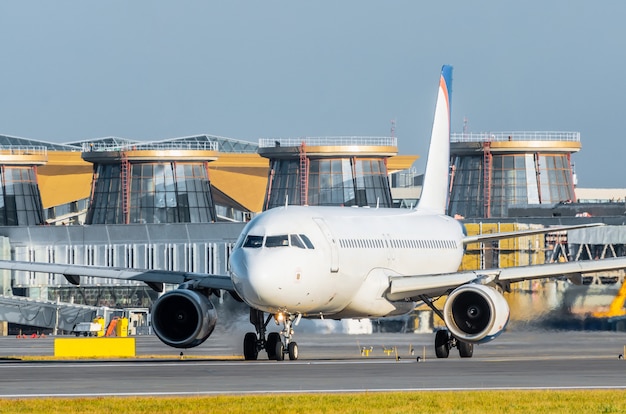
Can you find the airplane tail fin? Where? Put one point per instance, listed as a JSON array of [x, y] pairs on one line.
[[435, 185]]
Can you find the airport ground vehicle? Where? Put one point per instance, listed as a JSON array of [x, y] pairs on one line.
[[87, 329]]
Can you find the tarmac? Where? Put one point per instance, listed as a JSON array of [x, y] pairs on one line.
[[327, 363]]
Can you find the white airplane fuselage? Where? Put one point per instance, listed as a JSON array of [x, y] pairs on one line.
[[346, 272]]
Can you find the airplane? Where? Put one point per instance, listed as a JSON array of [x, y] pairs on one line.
[[292, 262]]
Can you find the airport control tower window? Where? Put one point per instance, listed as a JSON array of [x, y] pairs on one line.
[[331, 183], [348, 181], [486, 188], [284, 183], [558, 186], [105, 207], [20, 202], [466, 197], [372, 183], [529, 179], [156, 192], [509, 184]]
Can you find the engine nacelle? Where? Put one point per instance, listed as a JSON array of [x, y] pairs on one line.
[[183, 318], [476, 313]]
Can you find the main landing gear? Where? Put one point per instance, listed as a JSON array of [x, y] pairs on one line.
[[277, 345], [444, 342]]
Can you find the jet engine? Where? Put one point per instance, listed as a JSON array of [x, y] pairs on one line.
[[183, 318], [476, 313]]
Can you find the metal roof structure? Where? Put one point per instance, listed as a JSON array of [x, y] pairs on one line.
[[104, 141], [11, 141], [224, 144], [569, 136], [200, 142]]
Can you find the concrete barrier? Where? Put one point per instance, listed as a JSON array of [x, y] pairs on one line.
[[94, 347]]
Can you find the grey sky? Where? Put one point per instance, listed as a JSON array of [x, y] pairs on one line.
[[146, 70]]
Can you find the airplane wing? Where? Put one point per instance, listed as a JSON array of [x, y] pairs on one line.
[[154, 278], [408, 287], [520, 233]]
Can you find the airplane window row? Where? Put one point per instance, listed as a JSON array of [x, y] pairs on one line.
[[284, 240], [397, 244]]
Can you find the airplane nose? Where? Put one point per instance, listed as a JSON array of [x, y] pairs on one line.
[[238, 267], [252, 286]]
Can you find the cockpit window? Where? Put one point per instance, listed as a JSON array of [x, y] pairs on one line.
[[306, 241], [277, 241], [253, 241], [296, 242]]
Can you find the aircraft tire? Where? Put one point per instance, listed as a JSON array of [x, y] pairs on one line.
[[466, 350], [280, 351], [442, 344], [293, 351], [250, 352], [272, 339]]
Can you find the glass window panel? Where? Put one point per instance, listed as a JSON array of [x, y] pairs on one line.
[[179, 170], [170, 199], [204, 215], [193, 200], [508, 162], [194, 215], [497, 162], [307, 241], [296, 241], [253, 241], [147, 200], [188, 170], [314, 166], [277, 241], [181, 184], [20, 202], [324, 166], [359, 172]]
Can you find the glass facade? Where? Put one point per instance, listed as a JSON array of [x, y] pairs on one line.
[[20, 201], [158, 192], [467, 189], [512, 179], [331, 182]]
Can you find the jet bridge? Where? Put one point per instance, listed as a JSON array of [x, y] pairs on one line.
[[43, 314]]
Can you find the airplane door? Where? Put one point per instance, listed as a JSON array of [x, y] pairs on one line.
[[334, 253]]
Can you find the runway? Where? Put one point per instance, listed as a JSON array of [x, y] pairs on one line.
[[328, 363]]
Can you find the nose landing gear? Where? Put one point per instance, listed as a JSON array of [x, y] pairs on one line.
[[286, 346], [277, 345]]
